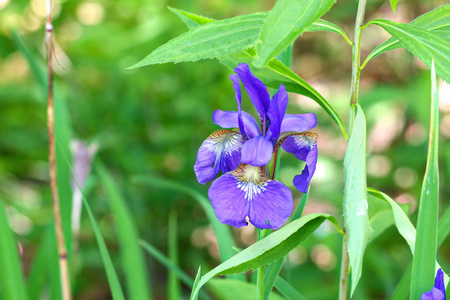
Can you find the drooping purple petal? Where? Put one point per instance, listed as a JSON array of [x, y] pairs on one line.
[[221, 151], [304, 147], [256, 90], [434, 294], [276, 112], [271, 207], [228, 200], [230, 119], [257, 151], [237, 87], [298, 123]]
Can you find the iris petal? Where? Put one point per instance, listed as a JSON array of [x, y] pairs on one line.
[[434, 294], [247, 192], [221, 151], [304, 147], [230, 119], [256, 90], [237, 87], [276, 112], [298, 123], [257, 151]]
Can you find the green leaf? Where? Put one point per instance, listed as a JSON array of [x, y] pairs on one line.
[[436, 21], [355, 195], [381, 221], [422, 43], [155, 253], [322, 25], [423, 265], [276, 245], [393, 4], [208, 41], [403, 224], [222, 231], [287, 290], [40, 266], [285, 22], [11, 276], [190, 19], [133, 262], [227, 289], [276, 73]]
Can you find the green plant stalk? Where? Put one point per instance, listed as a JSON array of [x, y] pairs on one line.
[[354, 92], [260, 273]]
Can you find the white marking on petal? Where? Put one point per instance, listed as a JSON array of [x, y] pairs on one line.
[[250, 180]]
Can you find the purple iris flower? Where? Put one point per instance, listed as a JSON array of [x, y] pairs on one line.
[[242, 154], [438, 291]]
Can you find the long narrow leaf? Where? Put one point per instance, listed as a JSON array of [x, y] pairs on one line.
[[426, 45], [132, 257], [436, 21], [229, 289], [11, 277], [173, 288], [355, 196], [285, 22], [403, 224], [269, 249], [423, 269], [287, 290]]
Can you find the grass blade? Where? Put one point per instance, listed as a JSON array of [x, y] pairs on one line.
[[222, 232], [173, 287], [172, 267], [423, 265], [11, 276], [132, 257], [287, 290], [228, 289]]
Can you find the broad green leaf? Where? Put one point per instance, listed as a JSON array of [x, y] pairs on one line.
[[173, 287], [427, 46], [208, 41], [269, 249], [222, 231], [355, 195], [275, 73], [133, 262], [403, 224], [155, 253], [285, 22], [393, 4], [436, 21], [287, 290], [423, 264], [193, 20], [228, 289], [11, 277]]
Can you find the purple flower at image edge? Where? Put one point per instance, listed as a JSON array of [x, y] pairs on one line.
[[438, 291], [243, 153]]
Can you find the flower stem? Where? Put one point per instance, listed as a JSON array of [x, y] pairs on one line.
[[354, 92], [260, 273], [63, 264]]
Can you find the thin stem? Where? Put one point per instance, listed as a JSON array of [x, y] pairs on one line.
[[63, 265], [260, 273], [354, 92], [356, 53], [343, 283]]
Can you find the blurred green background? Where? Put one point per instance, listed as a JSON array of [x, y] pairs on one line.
[[151, 121]]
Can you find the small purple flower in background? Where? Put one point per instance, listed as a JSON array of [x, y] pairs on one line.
[[245, 189], [438, 291]]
